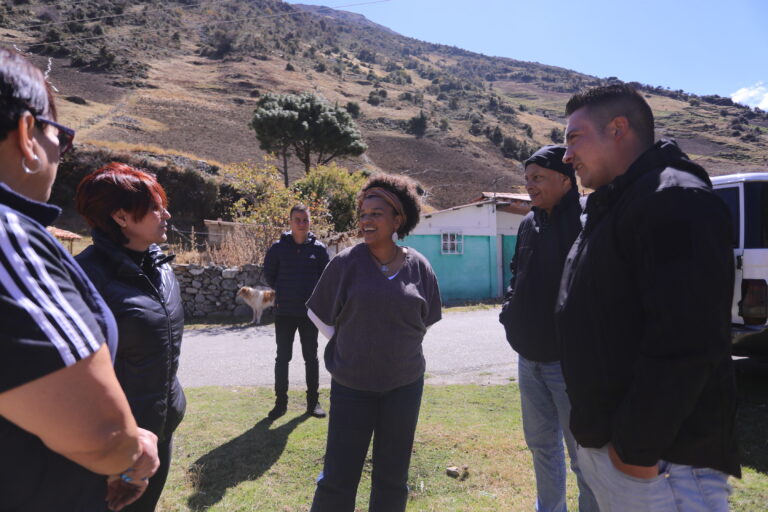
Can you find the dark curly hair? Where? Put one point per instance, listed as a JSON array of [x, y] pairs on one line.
[[406, 189]]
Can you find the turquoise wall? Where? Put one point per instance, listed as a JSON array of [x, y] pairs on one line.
[[468, 276], [508, 243]]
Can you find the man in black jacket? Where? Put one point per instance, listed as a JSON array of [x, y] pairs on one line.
[[292, 266], [643, 315], [544, 238]]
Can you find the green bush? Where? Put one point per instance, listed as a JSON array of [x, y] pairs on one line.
[[417, 125], [374, 98], [354, 109], [338, 188]]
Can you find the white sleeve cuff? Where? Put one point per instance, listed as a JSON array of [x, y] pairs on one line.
[[326, 329]]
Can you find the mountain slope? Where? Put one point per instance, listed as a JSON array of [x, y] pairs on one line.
[[185, 77]]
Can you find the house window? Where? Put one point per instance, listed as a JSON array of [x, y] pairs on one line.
[[452, 243]]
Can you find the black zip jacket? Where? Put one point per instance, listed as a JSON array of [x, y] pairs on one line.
[[147, 305], [293, 271], [528, 312], [644, 317]]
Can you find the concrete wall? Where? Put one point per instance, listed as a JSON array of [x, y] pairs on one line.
[[212, 291]]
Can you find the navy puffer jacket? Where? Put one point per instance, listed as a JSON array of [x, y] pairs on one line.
[[293, 271], [147, 305]]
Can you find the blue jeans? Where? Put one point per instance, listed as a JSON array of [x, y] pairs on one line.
[[355, 416], [678, 488], [546, 416]]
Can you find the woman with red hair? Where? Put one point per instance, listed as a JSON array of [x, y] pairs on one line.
[[126, 208]]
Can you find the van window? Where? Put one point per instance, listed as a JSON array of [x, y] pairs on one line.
[[731, 197], [755, 215]]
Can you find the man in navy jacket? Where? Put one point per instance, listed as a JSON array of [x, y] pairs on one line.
[[292, 266], [644, 314]]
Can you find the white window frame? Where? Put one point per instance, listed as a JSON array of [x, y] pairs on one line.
[[451, 242]]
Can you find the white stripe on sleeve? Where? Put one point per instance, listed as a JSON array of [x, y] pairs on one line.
[[35, 302], [55, 292]]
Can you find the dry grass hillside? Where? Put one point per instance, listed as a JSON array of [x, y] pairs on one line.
[[183, 78]]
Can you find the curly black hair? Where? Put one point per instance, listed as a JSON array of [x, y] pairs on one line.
[[406, 189]]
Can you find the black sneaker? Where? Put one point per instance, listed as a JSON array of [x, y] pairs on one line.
[[278, 410], [316, 410]]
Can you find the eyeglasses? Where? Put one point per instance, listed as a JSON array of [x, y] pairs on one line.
[[65, 135]]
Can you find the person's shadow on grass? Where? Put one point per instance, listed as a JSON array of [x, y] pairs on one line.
[[246, 457]]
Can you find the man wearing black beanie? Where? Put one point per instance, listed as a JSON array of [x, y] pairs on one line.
[[544, 238]]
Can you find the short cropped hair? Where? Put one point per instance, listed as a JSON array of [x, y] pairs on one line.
[[114, 187], [22, 88], [611, 101], [405, 189], [298, 208]]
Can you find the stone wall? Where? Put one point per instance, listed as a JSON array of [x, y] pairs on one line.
[[212, 291]]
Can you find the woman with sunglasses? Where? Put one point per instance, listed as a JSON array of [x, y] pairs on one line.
[[64, 421], [374, 302], [126, 208]]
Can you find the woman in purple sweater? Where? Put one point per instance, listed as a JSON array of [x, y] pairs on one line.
[[375, 302]]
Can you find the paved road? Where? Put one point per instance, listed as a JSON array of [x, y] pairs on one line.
[[464, 347]]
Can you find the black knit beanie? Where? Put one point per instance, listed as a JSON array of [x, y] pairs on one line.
[[551, 157]]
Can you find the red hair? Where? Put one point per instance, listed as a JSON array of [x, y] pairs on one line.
[[116, 187]]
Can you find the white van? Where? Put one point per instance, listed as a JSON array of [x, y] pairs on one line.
[[747, 197]]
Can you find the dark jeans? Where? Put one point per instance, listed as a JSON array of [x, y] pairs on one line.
[[390, 418], [285, 330], [151, 496]]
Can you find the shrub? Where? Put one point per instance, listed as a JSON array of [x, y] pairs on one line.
[[476, 128], [557, 135], [417, 125], [495, 135], [354, 109], [366, 55], [337, 188], [374, 98], [515, 148]]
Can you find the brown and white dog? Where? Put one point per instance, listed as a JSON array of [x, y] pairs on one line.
[[259, 300]]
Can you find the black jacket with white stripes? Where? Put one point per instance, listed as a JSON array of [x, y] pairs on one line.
[[146, 302], [51, 318]]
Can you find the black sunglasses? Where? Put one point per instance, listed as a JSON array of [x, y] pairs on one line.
[[65, 135]]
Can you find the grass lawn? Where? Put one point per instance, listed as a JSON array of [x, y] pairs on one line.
[[228, 457]]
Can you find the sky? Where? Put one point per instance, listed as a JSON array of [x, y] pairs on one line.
[[699, 46]]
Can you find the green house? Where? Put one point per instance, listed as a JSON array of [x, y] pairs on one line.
[[470, 246]]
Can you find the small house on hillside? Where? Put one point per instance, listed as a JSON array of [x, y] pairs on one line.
[[470, 246]]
